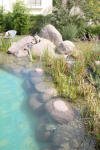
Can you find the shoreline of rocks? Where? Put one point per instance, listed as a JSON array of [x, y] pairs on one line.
[[61, 127]]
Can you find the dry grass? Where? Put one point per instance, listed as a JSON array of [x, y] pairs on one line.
[[80, 82]]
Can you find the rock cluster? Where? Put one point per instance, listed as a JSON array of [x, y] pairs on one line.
[[34, 44], [49, 39], [58, 124]]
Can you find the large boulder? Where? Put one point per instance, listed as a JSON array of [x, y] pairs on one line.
[[21, 53], [60, 111], [51, 33], [30, 44], [66, 47], [44, 45], [19, 46]]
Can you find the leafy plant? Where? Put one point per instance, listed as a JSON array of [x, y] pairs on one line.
[[21, 18], [1, 19], [4, 44], [69, 32], [36, 23], [8, 23]]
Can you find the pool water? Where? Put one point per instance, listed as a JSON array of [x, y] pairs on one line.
[[17, 122]]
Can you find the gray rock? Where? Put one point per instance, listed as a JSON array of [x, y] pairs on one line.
[[44, 45], [76, 11], [20, 45], [60, 111], [72, 137], [44, 130], [21, 53], [35, 104], [66, 47], [51, 33]]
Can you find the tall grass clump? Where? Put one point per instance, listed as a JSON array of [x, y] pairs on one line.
[[79, 84], [4, 44], [69, 32]]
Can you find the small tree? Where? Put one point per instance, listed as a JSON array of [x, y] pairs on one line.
[[21, 18], [8, 21], [1, 19], [94, 7]]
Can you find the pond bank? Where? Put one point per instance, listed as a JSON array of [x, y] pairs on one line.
[[53, 134]]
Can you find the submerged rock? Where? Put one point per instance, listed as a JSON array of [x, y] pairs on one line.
[[72, 137], [45, 130], [47, 91], [60, 111], [35, 104]]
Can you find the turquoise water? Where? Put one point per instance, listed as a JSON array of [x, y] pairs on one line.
[[17, 122]]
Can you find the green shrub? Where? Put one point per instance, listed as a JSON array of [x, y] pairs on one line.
[[69, 32], [8, 21], [36, 23], [1, 19], [93, 31], [21, 18]]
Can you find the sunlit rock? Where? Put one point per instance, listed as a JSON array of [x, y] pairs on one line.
[[39, 70], [66, 47], [60, 111], [51, 33]]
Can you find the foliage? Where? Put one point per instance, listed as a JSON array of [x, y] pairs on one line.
[[8, 23], [69, 32], [36, 23], [94, 7], [93, 31], [17, 38], [61, 18], [21, 18], [79, 83], [1, 19], [4, 44]]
